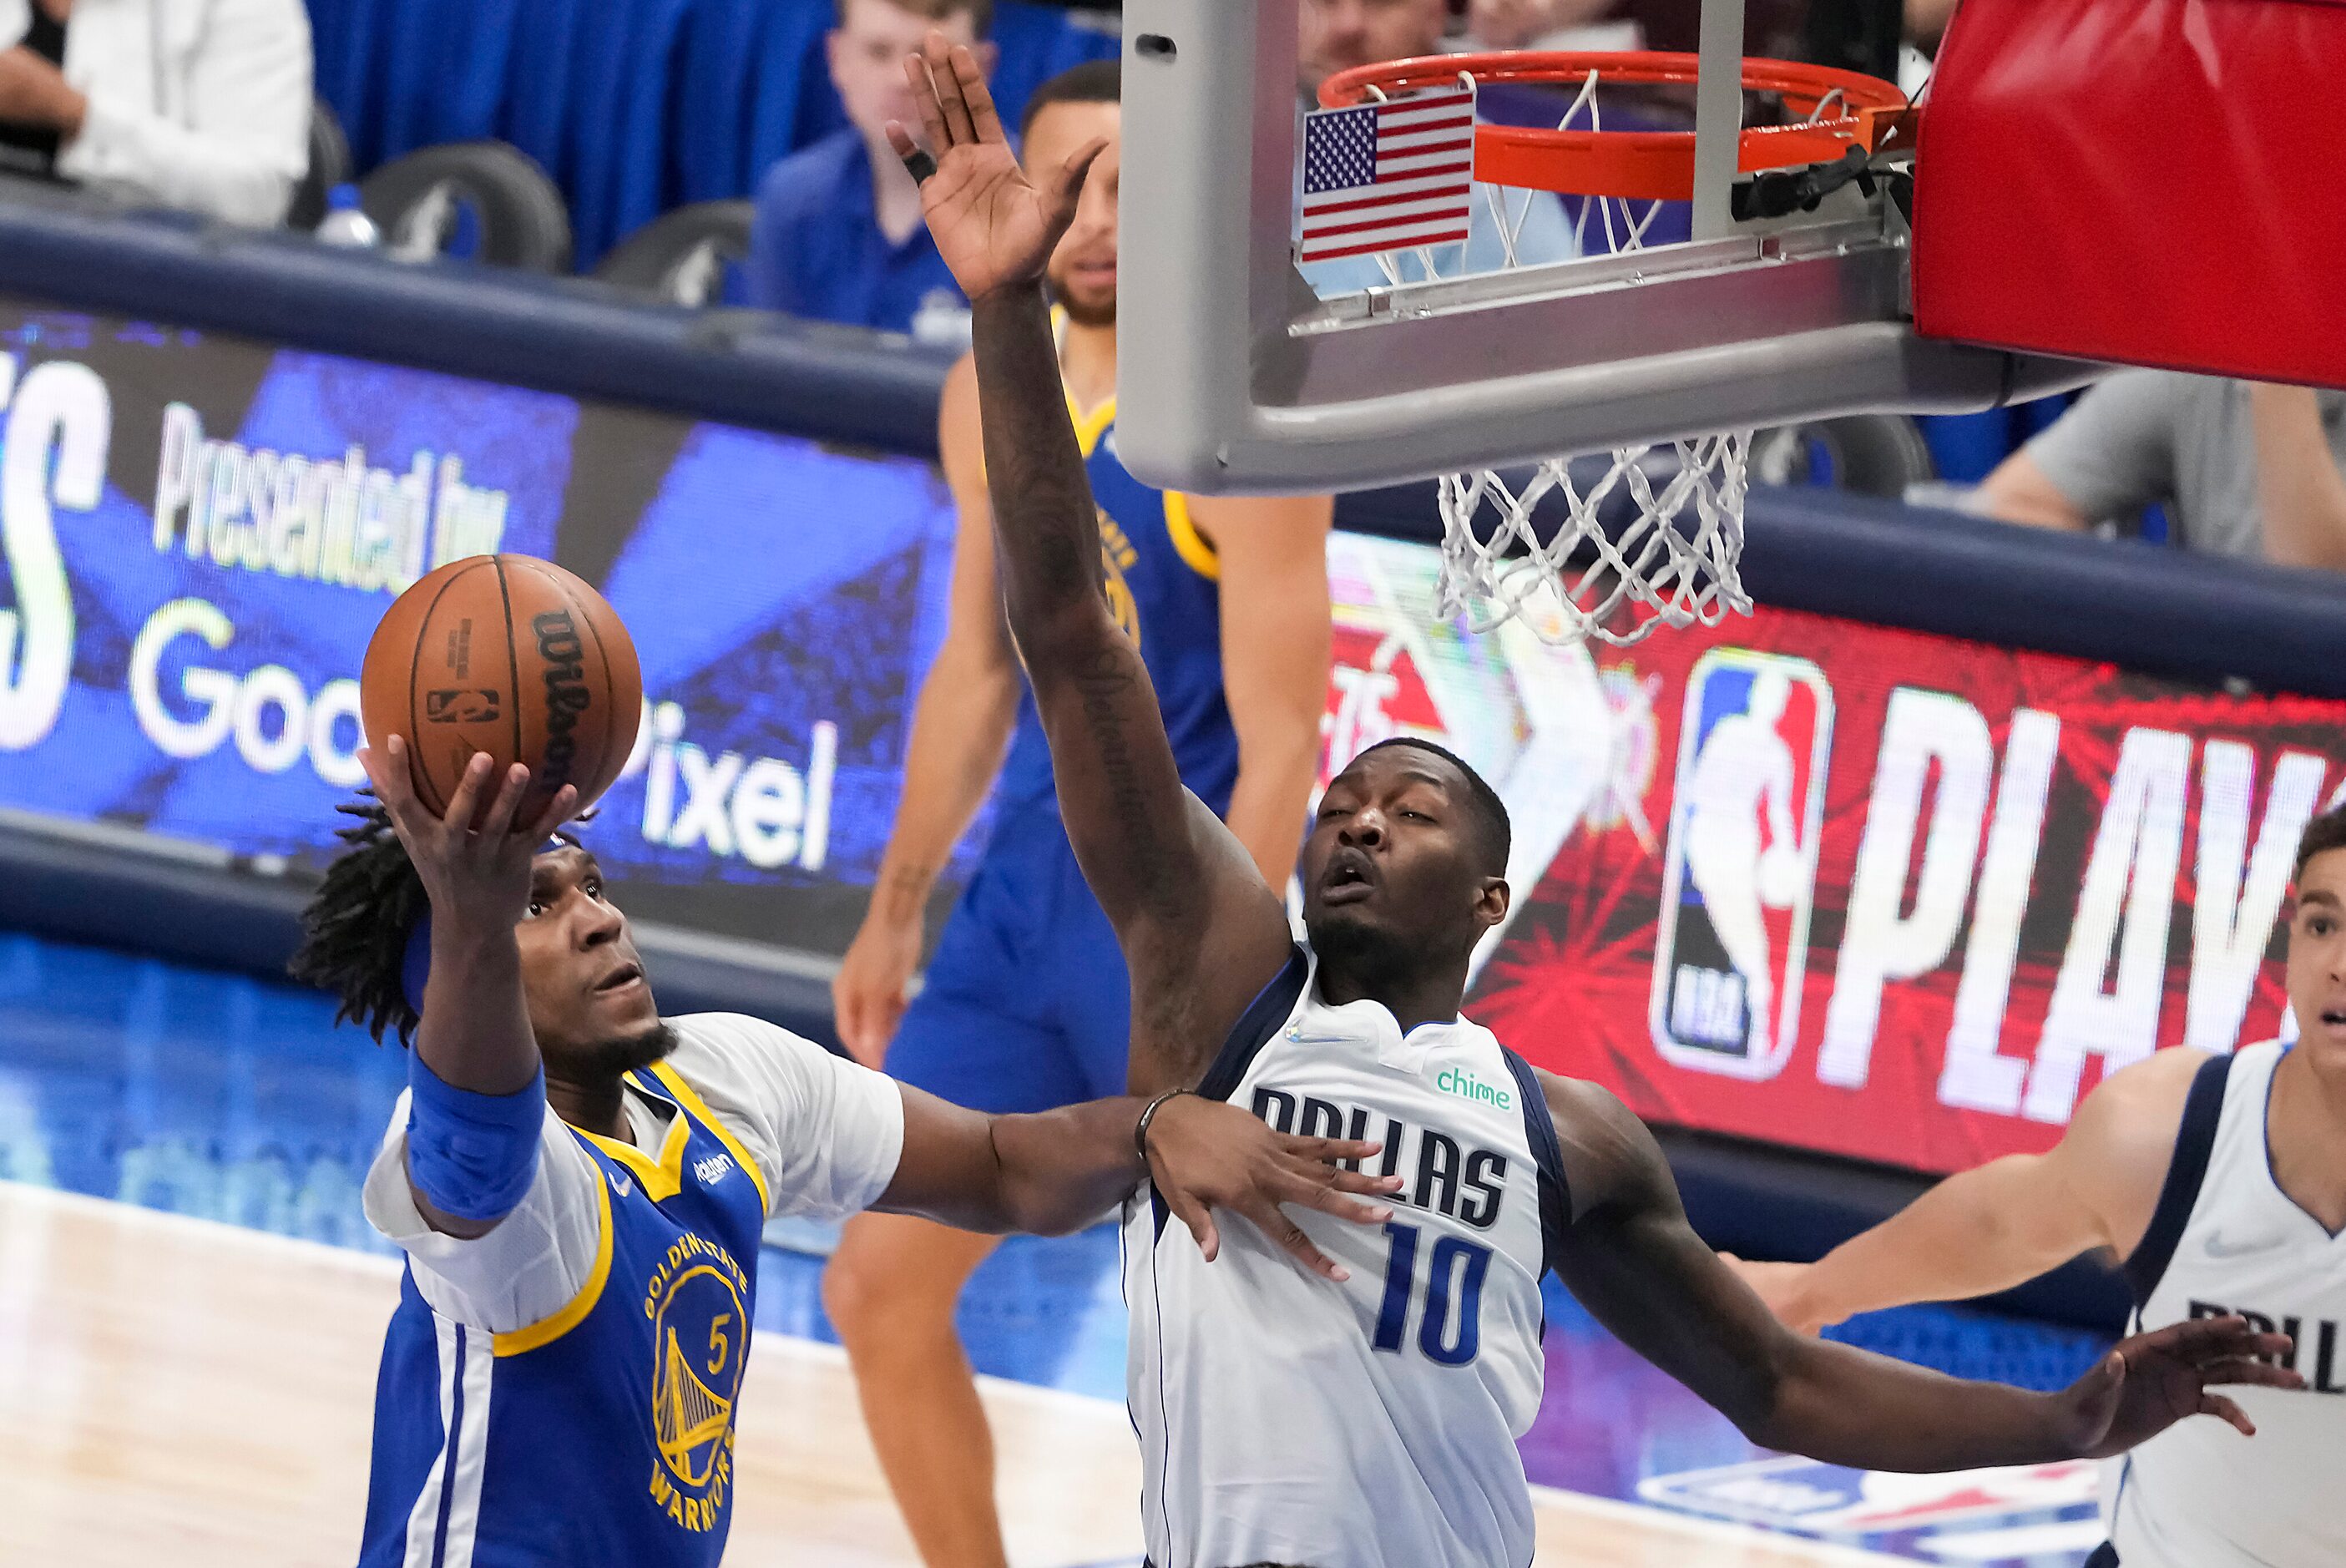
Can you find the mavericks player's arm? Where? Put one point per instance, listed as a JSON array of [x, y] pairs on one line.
[[1628, 1255], [2012, 1219], [1055, 1171], [1273, 556], [1201, 931]]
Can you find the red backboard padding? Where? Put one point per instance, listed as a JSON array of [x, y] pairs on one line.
[[2155, 181]]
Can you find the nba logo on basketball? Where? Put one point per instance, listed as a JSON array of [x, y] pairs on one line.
[[1732, 945]]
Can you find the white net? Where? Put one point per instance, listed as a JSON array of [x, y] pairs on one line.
[[1580, 548], [1610, 552]]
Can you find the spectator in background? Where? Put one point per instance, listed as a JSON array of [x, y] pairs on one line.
[[202, 104], [838, 233], [1548, 24], [1339, 34], [2245, 469]]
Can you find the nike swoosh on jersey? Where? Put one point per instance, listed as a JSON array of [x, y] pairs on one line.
[[621, 1184], [2218, 1246]]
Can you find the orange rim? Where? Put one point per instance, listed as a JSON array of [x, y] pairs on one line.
[[1639, 166]]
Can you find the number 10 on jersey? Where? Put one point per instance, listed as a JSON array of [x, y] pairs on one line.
[[1450, 1325]]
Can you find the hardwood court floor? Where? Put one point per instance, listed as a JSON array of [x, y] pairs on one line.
[[177, 1392]]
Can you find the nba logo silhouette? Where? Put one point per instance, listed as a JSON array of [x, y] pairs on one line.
[[1732, 945]]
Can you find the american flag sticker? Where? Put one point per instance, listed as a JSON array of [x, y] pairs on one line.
[[1388, 176]]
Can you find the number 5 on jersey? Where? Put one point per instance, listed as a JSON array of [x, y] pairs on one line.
[[1450, 1325]]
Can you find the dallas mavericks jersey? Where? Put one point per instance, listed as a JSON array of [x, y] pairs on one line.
[[604, 1433], [2226, 1238], [1371, 1424], [1164, 584]]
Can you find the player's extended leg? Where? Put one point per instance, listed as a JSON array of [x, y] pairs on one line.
[[891, 1290]]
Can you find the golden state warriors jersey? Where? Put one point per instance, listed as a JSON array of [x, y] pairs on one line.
[[1164, 584], [603, 1434]]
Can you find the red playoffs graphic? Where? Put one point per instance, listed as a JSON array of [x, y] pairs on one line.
[[2023, 871]]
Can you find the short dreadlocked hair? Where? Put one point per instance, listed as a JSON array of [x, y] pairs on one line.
[[354, 931]]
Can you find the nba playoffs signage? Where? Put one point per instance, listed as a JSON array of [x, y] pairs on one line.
[[199, 534], [1871, 892]]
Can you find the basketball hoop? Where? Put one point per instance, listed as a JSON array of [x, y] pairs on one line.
[[1577, 546]]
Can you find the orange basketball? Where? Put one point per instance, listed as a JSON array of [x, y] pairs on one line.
[[510, 656]]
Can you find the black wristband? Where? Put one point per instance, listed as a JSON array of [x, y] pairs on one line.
[[920, 166], [1149, 1114]]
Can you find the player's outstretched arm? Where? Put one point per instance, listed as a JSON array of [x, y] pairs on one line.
[[1053, 1172], [1631, 1259], [474, 1039], [2010, 1220], [1201, 931]]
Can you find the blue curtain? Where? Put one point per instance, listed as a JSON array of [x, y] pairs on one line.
[[633, 106]]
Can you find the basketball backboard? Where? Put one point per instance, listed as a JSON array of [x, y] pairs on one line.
[[1240, 375]]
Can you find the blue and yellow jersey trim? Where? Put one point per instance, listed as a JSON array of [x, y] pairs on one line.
[[546, 1330], [660, 1178], [1090, 425], [689, 1098], [1197, 551], [1189, 543], [663, 1178]]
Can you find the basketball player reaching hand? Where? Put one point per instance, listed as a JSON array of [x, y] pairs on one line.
[[2220, 1181], [579, 1187], [1373, 1426]]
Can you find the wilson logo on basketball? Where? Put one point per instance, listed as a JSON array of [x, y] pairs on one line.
[[461, 706], [565, 692]]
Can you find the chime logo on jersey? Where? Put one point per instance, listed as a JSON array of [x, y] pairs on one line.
[[699, 1331], [1732, 948]]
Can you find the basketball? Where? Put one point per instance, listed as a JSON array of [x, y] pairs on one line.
[[511, 656]]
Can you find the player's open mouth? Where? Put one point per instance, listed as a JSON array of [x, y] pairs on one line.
[[2333, 1017], [619, 978], [1347, 879]]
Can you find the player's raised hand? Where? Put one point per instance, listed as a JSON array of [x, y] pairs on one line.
[[1204, 1155], [473, 863], [995, 227], [2150, 1382]]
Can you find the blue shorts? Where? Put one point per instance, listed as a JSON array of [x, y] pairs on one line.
[[1026, 1006]]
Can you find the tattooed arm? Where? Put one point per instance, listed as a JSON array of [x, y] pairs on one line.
[[1201, 931]]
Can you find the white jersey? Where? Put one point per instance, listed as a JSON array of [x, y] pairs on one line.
[[2226, 1238], [1371, 1424], [820, 1136]]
